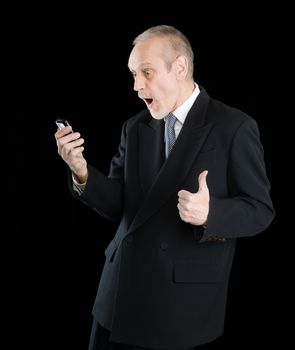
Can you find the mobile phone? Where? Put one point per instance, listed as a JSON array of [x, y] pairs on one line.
[[61, 123]]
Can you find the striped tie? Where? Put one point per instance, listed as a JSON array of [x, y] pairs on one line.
[[169, 133]]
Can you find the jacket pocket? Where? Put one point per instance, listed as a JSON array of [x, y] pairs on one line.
[[194, 272]]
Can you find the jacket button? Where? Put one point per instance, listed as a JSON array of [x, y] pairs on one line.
[[129, 239], [164, 246]]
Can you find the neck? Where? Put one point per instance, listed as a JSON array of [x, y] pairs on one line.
[[186, 92]]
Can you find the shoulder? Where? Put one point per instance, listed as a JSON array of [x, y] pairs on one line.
[[227, 116]]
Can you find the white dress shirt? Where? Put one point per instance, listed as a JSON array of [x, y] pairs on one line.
[[182, 111]]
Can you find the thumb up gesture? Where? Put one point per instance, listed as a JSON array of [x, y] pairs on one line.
[[194, 207]]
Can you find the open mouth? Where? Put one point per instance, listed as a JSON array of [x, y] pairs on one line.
[[148, 101]]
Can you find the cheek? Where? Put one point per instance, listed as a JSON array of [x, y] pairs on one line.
[[167, 93], [171, 99]]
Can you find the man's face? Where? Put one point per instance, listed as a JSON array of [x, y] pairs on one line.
[[156, 86]]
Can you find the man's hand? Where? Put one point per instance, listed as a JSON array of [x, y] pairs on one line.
[[69, 146], [194, 207]]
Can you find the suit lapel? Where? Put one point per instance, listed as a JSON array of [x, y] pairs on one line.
[[151, 151], [186, 148]]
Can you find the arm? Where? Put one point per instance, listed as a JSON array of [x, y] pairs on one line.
[[105, 193], [248, 208], [102, 193]]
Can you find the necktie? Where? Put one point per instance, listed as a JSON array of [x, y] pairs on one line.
[[169, 133]]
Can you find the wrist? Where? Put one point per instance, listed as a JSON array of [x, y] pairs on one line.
[[81, 177]]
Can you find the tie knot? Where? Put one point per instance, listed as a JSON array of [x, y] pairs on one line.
[[170, 120]]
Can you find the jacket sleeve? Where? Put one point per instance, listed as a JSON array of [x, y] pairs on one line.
[[104, 193], [248, 208]]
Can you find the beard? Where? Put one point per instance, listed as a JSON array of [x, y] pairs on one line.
[[156, 116], [159, 113]]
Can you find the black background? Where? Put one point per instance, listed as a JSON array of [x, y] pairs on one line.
[[69, 59]]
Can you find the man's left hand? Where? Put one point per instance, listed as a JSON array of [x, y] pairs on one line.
[[194, 207]]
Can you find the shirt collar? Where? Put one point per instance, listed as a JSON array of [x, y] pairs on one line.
[[182, 111]]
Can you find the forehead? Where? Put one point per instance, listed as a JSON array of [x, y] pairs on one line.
[[150, 52]]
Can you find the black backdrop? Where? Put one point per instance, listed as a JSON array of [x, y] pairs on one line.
[[69, 59]]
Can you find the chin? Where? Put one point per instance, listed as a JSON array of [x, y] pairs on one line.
[[157, 115]]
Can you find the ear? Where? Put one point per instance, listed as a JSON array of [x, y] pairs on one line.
[[181, 67]]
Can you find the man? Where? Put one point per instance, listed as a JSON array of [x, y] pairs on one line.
[[184, 186]]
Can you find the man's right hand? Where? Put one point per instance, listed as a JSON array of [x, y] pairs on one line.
[[69, 146]]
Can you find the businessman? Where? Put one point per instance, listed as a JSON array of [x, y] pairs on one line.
[[188, 180]]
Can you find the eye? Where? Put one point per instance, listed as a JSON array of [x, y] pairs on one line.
[[133, 74], [147, 73]]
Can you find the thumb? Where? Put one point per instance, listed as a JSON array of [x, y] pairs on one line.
[[202, 181]]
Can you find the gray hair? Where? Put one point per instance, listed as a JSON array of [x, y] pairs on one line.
[[180, 44]]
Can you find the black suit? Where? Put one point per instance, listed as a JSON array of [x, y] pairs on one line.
[[164, 283]]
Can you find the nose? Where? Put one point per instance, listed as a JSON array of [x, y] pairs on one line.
[[139, 83]]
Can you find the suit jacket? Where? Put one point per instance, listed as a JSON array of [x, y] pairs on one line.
[[164, 282]]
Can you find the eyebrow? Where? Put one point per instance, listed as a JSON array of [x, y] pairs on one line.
[[141, 65]]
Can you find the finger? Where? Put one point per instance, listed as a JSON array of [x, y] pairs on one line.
[[184, 217], [76, 143], [185, 203], [185, 195], [180, 207], [180, 210], [70, 147], [202, 181], [77, 151], [64, 131], [71, 137], [182, 201], [69, 140]]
